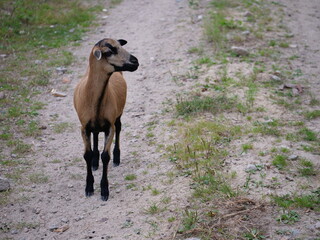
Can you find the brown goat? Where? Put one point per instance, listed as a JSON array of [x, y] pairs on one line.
[[99, 100]]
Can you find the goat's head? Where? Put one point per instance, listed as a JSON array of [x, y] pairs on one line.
[[113, 57]]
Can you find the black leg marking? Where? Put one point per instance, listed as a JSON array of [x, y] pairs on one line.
[[90, 180], [104, 180], [96, 154], [116, 150]]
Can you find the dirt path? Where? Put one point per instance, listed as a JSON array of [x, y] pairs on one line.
[[158, 33]]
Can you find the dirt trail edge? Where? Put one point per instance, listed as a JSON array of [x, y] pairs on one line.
[[159, 34]]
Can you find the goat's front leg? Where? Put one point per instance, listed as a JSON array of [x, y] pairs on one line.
[[116, 150], [105, 157], [88, 155]]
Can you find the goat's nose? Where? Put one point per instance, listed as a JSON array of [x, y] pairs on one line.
[[133, 60]]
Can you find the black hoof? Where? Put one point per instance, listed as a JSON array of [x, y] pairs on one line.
[[89, 194], [104, 198], [116, 164], [104, 194]]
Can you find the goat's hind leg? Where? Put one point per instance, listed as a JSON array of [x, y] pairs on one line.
[[96, 154], [105, 157], [116, 150], [88, 155]]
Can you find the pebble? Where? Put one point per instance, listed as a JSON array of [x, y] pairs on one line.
[[275, 78], [192, 238], [289, 178], [4, 184], [37, 61], [245, 33], [317, 225], [293, 157], [2, 95], [64, 220], [36, 210], [251, 167], [77, 219], [3, 55], [239, 51], [61, 70]]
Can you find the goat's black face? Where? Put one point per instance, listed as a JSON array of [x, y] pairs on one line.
[[111, 53]]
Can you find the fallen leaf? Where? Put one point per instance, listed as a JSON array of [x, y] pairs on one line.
[[61, 229], [55, 93]]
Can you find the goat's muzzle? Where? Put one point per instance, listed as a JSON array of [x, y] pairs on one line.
[[133, 65]]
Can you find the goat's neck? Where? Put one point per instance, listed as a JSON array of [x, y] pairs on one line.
[[96, 85]]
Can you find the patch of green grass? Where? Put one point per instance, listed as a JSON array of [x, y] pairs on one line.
[[289, 217], [19, 147], [61, 127], [266, 129], [197, 104], [38, 178], [196, 50], [189, 221], [153, 209], [155, 192], [280, 161], [247, 146], [205, 61], [307, 134], [311, 200], [312, 114], [254, 234], [32, 129], [307, 168], [130, 177], [31, 24]]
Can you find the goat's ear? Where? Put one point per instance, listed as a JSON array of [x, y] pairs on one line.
[[97, 53], [122, 42]]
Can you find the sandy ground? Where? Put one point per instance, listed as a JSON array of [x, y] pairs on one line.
[[159, 33]]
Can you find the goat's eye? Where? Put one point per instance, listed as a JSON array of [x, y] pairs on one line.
[[108, 54]]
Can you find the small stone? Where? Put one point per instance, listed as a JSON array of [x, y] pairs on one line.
[[251, 167], [37, 61], [61, 70], [317, 225], [248, 14], [104, 10], [70, 186], [3, 55], [14, 231], [246, 32], [192, 238], [14, 155], [104, 17], [293, 157], [118, 190], [289, 179], [293, 46], [36, 210], [71, 30], [64, 220], [2, 95], [295, 92], [4, 184], [53, 227], [275, 78], [239, 51], [77, 219]]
